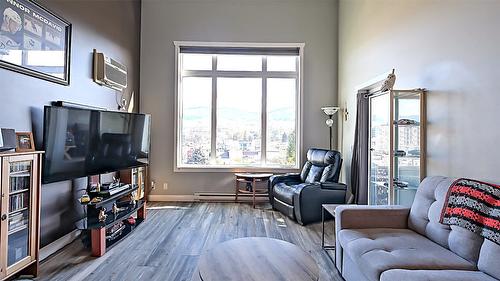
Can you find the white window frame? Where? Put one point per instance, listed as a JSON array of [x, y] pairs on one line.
[[178, 167]]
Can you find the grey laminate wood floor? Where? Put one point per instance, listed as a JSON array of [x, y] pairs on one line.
[[167, 245]]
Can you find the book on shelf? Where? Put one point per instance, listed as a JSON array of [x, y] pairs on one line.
[[17, 221], [20, 167], [16, 217], [18, 201], [19, 183], [14, 230], [19, 224]]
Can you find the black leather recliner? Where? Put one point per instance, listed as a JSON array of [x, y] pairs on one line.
[[299, 196]]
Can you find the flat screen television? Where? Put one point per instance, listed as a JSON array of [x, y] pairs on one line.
[[83, 142]]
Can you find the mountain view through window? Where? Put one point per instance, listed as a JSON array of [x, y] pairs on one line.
[[238, 110]]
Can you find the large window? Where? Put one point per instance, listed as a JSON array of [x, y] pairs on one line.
[[238, 106]]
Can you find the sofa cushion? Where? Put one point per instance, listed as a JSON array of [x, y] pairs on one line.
[[489, 259], [425, 215], [434, 275], [376, 250], [350, 271]]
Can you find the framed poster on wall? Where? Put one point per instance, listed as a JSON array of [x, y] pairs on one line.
[[34, 41]]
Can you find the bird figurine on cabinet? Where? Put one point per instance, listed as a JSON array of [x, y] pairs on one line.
[[116, 210], [102, 215], [388, 82], [133, 202]]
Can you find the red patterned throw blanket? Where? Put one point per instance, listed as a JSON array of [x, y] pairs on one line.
[[475, 206]]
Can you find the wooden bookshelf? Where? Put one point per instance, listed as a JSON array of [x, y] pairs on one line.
[[20, 213]]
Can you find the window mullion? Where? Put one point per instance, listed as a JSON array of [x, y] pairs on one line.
[[298, 111], [263, 144], [213, 141]]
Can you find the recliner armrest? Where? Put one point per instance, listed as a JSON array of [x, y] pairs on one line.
[[333, 185], [291, 177]]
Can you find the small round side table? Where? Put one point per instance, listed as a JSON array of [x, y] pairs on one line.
[[251, 180]]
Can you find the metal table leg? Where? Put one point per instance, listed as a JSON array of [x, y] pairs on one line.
[[326, 248], [237, 190], [253, 193]]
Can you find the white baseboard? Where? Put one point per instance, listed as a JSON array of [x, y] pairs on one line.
[[55, 246], [171, 198]]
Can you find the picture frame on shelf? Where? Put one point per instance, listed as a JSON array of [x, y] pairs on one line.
[[34, 41], [24, 142]]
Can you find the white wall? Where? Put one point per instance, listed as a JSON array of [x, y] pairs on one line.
[[313, 22], [449, 47]]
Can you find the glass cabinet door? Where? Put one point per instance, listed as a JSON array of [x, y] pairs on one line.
[[380, 126], [17, 217], [407, 146], [397, 146]]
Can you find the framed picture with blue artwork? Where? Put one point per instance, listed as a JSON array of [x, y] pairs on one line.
[[34, 41]]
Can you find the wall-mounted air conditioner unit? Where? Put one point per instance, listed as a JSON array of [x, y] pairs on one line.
[[109, 72]]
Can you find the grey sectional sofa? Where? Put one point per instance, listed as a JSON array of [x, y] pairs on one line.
[[397, 243]]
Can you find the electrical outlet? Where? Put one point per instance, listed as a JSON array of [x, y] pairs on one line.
[[165, 186], [153, 184]]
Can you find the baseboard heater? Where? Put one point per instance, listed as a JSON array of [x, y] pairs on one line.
[[226, 197]]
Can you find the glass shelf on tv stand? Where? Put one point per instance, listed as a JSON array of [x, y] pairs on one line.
[[93, 223], [113, 197]]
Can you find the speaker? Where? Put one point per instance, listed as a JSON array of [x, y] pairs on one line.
[[7, 139]]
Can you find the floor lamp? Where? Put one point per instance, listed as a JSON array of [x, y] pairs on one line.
[[330, 111]]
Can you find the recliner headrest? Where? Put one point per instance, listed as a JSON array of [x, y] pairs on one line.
[[323, 157]]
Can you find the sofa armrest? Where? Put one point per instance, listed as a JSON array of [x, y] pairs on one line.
[[333, 186], [363, 216]]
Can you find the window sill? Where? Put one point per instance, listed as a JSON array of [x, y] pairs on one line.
[[235, 170]]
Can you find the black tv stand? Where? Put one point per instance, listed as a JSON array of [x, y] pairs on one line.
[[96, 229]]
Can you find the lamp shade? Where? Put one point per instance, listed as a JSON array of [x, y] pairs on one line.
[[330, 110]]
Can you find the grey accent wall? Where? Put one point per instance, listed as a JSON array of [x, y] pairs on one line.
[[449, 47], [311, 21], [109, 26]]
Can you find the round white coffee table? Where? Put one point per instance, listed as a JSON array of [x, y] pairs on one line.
[[256, 259]]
